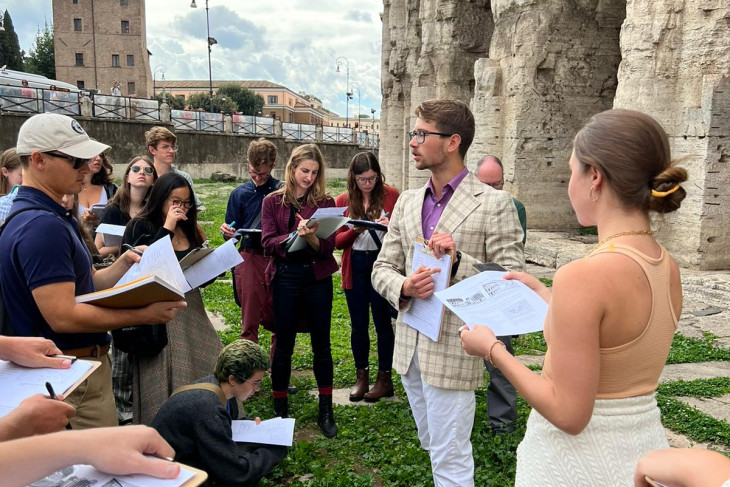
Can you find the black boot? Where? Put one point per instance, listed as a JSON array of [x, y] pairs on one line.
[[326, 416], [281, 407]]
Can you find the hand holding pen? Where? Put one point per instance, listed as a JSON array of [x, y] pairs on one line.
[[227, 230]]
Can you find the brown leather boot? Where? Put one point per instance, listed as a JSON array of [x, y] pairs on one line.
[[361, 385], [383, 387]]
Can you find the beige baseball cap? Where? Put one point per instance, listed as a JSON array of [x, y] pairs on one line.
[[47, 132]]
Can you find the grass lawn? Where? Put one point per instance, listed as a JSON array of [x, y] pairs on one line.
[[378, 445]]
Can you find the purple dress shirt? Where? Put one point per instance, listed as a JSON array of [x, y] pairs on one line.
[[434, 207]]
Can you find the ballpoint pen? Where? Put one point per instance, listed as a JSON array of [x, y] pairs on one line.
[[52, 393]]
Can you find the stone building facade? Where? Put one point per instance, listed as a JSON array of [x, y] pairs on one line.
[[534, 71], [99, 41]]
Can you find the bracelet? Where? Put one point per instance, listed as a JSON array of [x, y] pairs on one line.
[[488, 356]]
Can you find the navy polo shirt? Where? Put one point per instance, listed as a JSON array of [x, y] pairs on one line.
[[38, 248], [245, 204]]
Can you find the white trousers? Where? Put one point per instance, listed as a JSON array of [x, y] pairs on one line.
[[444, 418]]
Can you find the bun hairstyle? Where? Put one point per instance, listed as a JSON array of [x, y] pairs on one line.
[[632, 152]]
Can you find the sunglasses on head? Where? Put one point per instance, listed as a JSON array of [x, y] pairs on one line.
[[75, 161], [147, 169]]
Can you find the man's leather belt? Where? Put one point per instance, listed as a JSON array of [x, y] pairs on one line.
[[92, 351]]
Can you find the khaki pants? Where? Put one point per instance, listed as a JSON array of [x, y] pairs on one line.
[[93, 399]]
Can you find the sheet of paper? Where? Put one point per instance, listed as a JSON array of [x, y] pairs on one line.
[[112, 234], [220, 260], [424, 315], [88, 475], [158, 260], [18, 383], [329, 212], [276, 431], [327, 226], [507, 307]]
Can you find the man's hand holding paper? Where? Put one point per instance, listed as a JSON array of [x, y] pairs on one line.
[[420, 284]]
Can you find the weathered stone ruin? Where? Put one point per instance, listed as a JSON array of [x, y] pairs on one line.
[[535, 70]]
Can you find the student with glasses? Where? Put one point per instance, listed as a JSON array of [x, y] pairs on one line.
[[98, 189], [196, 420], [193, 343], [160, 143], [244, 211], [367, 198]]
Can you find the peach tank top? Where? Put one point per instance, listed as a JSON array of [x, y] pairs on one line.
[[633, 368]]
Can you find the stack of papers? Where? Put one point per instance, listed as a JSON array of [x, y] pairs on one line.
[[276, 431]]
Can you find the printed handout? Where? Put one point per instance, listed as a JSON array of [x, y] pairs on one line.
[[276, 431], [425, 315], [76, 475], [508, 307], [19, 383]]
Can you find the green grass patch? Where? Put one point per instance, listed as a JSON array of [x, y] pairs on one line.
[[692, 350]]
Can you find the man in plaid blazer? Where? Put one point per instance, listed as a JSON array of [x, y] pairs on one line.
[[453, 211]]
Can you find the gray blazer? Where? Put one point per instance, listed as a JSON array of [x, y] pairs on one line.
[[484, 225]]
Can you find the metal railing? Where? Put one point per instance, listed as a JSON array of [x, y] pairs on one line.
[[247, 124], [38, 100], [299, 131]]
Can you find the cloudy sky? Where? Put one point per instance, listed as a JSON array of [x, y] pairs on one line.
[[291, 42]]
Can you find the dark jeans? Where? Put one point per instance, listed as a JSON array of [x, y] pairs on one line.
[[298, 295], [501, 395], [359, 298]]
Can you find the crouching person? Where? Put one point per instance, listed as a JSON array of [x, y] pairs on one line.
[[196, 420]]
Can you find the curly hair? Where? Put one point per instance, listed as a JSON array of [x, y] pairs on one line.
[[241, 359]]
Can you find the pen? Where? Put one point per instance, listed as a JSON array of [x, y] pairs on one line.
[[70, 357], [230, 226], [386, 214], [299, 217], [52, 393], [129, 247]]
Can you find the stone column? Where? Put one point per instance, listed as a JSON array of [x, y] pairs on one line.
[[676, 67], [429, 50], [552, 64]]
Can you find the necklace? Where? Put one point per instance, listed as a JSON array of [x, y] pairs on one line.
[[619, 234]]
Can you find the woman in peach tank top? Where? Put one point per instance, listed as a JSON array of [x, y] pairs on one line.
[[611, 315]]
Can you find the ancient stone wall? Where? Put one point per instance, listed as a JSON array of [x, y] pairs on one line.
[[551, 64], [676, 67], [429, 50]]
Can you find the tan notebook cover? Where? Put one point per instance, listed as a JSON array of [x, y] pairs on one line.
[[135, 294]]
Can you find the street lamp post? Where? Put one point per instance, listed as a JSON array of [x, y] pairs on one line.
[[372, 120], [211, 41], [355, 86], [161, 70], [340, 61]]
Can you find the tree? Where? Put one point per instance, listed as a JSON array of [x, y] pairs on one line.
[[246, 101], [42, 59], [10, 53], [201, 100], [175, 102]]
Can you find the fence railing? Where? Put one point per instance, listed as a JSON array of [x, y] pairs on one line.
[[299, 131], [37, 100]]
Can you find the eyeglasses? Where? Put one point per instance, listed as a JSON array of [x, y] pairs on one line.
[[420, 135], [255, 383], [77, 162], [181, 203], [255, 174], [167, 148], [370, 180], [136, 169]]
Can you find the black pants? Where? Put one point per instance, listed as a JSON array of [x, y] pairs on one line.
[[361, 297], [298, 295]]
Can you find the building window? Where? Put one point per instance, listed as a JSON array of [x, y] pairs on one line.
[[130, 59], [123, 3], [131, 88], [80, 84], [273, 115], [125, 26], [77, 25], [273, 100], [79, 59], [115, 60], [75, 2]]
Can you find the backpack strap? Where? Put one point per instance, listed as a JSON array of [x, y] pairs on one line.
[[205, 386]]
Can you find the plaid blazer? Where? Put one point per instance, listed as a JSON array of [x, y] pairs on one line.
[[484, 225]]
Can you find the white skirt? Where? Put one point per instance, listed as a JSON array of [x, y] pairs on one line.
[[605, 453]]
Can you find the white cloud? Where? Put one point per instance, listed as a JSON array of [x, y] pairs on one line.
[[292, 42]]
